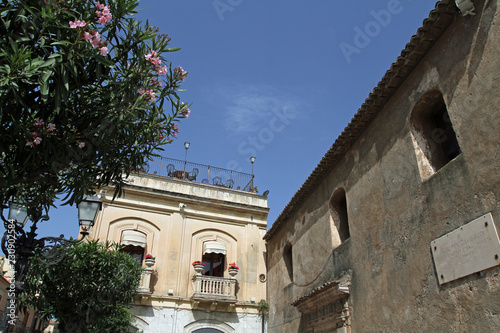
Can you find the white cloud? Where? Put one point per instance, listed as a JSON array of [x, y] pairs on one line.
[[248, 108]]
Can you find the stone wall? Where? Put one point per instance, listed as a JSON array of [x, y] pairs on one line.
[[394, 210]]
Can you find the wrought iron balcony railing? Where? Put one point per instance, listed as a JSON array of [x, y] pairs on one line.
[[214, 288], [169, 167]]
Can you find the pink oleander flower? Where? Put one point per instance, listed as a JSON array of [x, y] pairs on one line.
[[180, 73], [87, 36], [29, 143], [105, 19], [161, 71], [96, 40], [39, 122], [109, 250], [155, 82], [103, 13], [98, 5], [104, 50], [51, 127], [150, 94], [77, 24], [175, 130], [81, 144], [156, 61], [37, 140], [150, 55], [153, 58], [186, 112]]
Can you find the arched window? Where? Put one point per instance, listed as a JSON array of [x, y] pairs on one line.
[[288, 259], [433, 136], [134, 243], [338, 213], [214, 255]]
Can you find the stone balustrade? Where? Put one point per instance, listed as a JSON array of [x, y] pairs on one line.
[[144, 288], [214, 288]]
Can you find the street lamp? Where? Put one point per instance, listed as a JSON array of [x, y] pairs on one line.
[[87, 212], [252, 160], [186, 145], [18, 213], [19, 246]]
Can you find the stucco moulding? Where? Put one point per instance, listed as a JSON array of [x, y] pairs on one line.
[[472, 248]]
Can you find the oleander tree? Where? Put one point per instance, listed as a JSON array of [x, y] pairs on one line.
[[86, 97], [89, 291]]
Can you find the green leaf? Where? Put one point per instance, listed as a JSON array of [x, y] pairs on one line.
[[48, 62], [105, 61], [171, 49]]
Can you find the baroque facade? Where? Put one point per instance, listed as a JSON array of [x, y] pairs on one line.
[[395, 229], [179, 220]]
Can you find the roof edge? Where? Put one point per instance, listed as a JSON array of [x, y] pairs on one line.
[[439, 19]]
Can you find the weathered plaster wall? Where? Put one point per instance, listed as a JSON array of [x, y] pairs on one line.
[[394, 214]]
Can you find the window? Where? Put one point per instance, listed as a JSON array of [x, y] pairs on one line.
[[135, 244], [288, 259], [338, 213], [433, 136], [136, 252], [214, 264], [214, 256]]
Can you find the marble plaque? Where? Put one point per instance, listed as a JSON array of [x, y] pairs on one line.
[[469, 249]]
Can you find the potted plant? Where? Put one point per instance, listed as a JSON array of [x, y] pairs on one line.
[[149, 260], [233, 269], [254, 189], [198, 267]]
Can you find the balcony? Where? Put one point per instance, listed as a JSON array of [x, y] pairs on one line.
[[200, 173], [214, 289]]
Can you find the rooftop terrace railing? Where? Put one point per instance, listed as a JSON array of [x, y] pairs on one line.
[[200, 173]]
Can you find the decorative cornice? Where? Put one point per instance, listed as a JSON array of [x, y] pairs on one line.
[[321, 296]]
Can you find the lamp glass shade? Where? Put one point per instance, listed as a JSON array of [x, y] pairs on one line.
[[18, 212], [252, 159], [186, 145], [87, 210]]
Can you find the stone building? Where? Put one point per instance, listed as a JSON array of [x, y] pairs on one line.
[[395, 229], [181, 213]]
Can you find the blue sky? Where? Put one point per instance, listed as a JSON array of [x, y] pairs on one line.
[[276, 79]]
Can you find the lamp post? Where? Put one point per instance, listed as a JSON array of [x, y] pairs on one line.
[[20, 246], [252, 160], [186, 145]]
